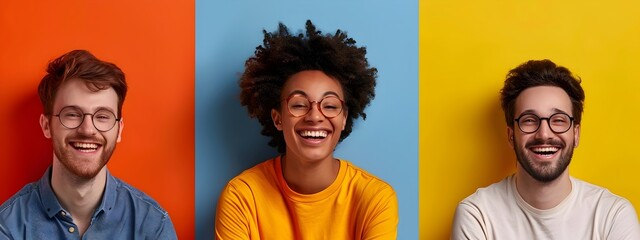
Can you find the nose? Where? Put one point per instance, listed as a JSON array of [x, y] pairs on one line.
[[314, 113], [544, 131], [86, 127]]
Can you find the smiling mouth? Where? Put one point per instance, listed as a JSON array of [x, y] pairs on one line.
[[320, 134], [85, 147], [545, 151]]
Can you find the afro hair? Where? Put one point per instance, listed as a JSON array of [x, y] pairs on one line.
[[282, 55]]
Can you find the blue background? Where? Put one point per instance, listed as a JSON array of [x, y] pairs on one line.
[[228, 141]]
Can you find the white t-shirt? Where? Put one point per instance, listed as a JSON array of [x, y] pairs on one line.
[[589, 212]]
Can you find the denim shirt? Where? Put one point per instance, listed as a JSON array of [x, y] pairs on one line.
[[124, 213]]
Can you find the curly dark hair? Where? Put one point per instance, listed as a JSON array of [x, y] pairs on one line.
[[540, 73], [282, 55]]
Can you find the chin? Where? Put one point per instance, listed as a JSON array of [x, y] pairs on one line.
[[314, 157], [311, 155]]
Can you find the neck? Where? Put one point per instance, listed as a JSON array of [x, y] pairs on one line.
[[77, 195], [542, 195], [308, 177]]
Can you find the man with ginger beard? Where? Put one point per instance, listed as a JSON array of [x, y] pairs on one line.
[[543, 106], [77, 197]]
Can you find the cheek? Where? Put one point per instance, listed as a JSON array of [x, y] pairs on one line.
[[339, 124], [570, 140], [57, 133], [288, 124], [111, 136], [520, 140]]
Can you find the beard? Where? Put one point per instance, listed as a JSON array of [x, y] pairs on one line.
[[82, 168], [544, 172]]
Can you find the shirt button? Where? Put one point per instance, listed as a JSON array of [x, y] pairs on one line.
[[71, 229], [63, 213]]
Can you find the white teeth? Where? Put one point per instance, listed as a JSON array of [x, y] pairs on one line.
[[85, 145], [307, 133], [545, 149]]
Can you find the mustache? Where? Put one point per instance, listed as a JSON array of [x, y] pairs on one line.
[[85, 138], [553, 142]]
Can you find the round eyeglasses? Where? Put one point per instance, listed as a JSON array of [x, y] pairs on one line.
[[299, 105], [558, 122], [72, 117]]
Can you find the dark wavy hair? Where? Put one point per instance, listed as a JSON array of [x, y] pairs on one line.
[[535, 73], [81, 64], [283, 54]]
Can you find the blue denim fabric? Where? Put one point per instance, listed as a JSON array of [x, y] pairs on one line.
[[124, 213]]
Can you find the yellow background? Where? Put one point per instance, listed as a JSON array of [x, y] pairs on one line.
[[466, 49]]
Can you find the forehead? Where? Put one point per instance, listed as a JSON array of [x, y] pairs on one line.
[[313, 83], [543, 100], [76, 93]]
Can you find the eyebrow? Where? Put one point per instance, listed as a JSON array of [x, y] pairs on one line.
[[300, 92], [531, 111], [98, 109]]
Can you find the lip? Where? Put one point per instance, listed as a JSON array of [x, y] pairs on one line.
[[537, 149], [314, 131], [85, 147]]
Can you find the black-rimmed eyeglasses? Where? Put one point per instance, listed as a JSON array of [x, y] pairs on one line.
[[558, 122], [72, 117]]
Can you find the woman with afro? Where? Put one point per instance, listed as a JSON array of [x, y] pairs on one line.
[[306, 90]]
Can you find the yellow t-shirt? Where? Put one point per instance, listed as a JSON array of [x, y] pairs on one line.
[[258, 204]]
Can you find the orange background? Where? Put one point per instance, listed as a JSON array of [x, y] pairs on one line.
[[153, 43]]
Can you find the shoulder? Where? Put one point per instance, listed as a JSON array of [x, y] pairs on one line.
[[586, 188], [258, 176], [20, 199], [22, 208], [257, 172], [474, 214], [243, 193], [499, 191], [599, 197], [492, 199], [255, 182], [138, 198], [616, 213], [148, 218], [373, 199], [366, 184]]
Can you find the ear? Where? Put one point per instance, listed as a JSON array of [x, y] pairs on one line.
[[44, 125], [277, 119], [510, 136], [576, 136], [120, 127]]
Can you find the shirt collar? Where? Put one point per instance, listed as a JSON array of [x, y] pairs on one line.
[[49, 201], [52, 206], [109, 195]]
